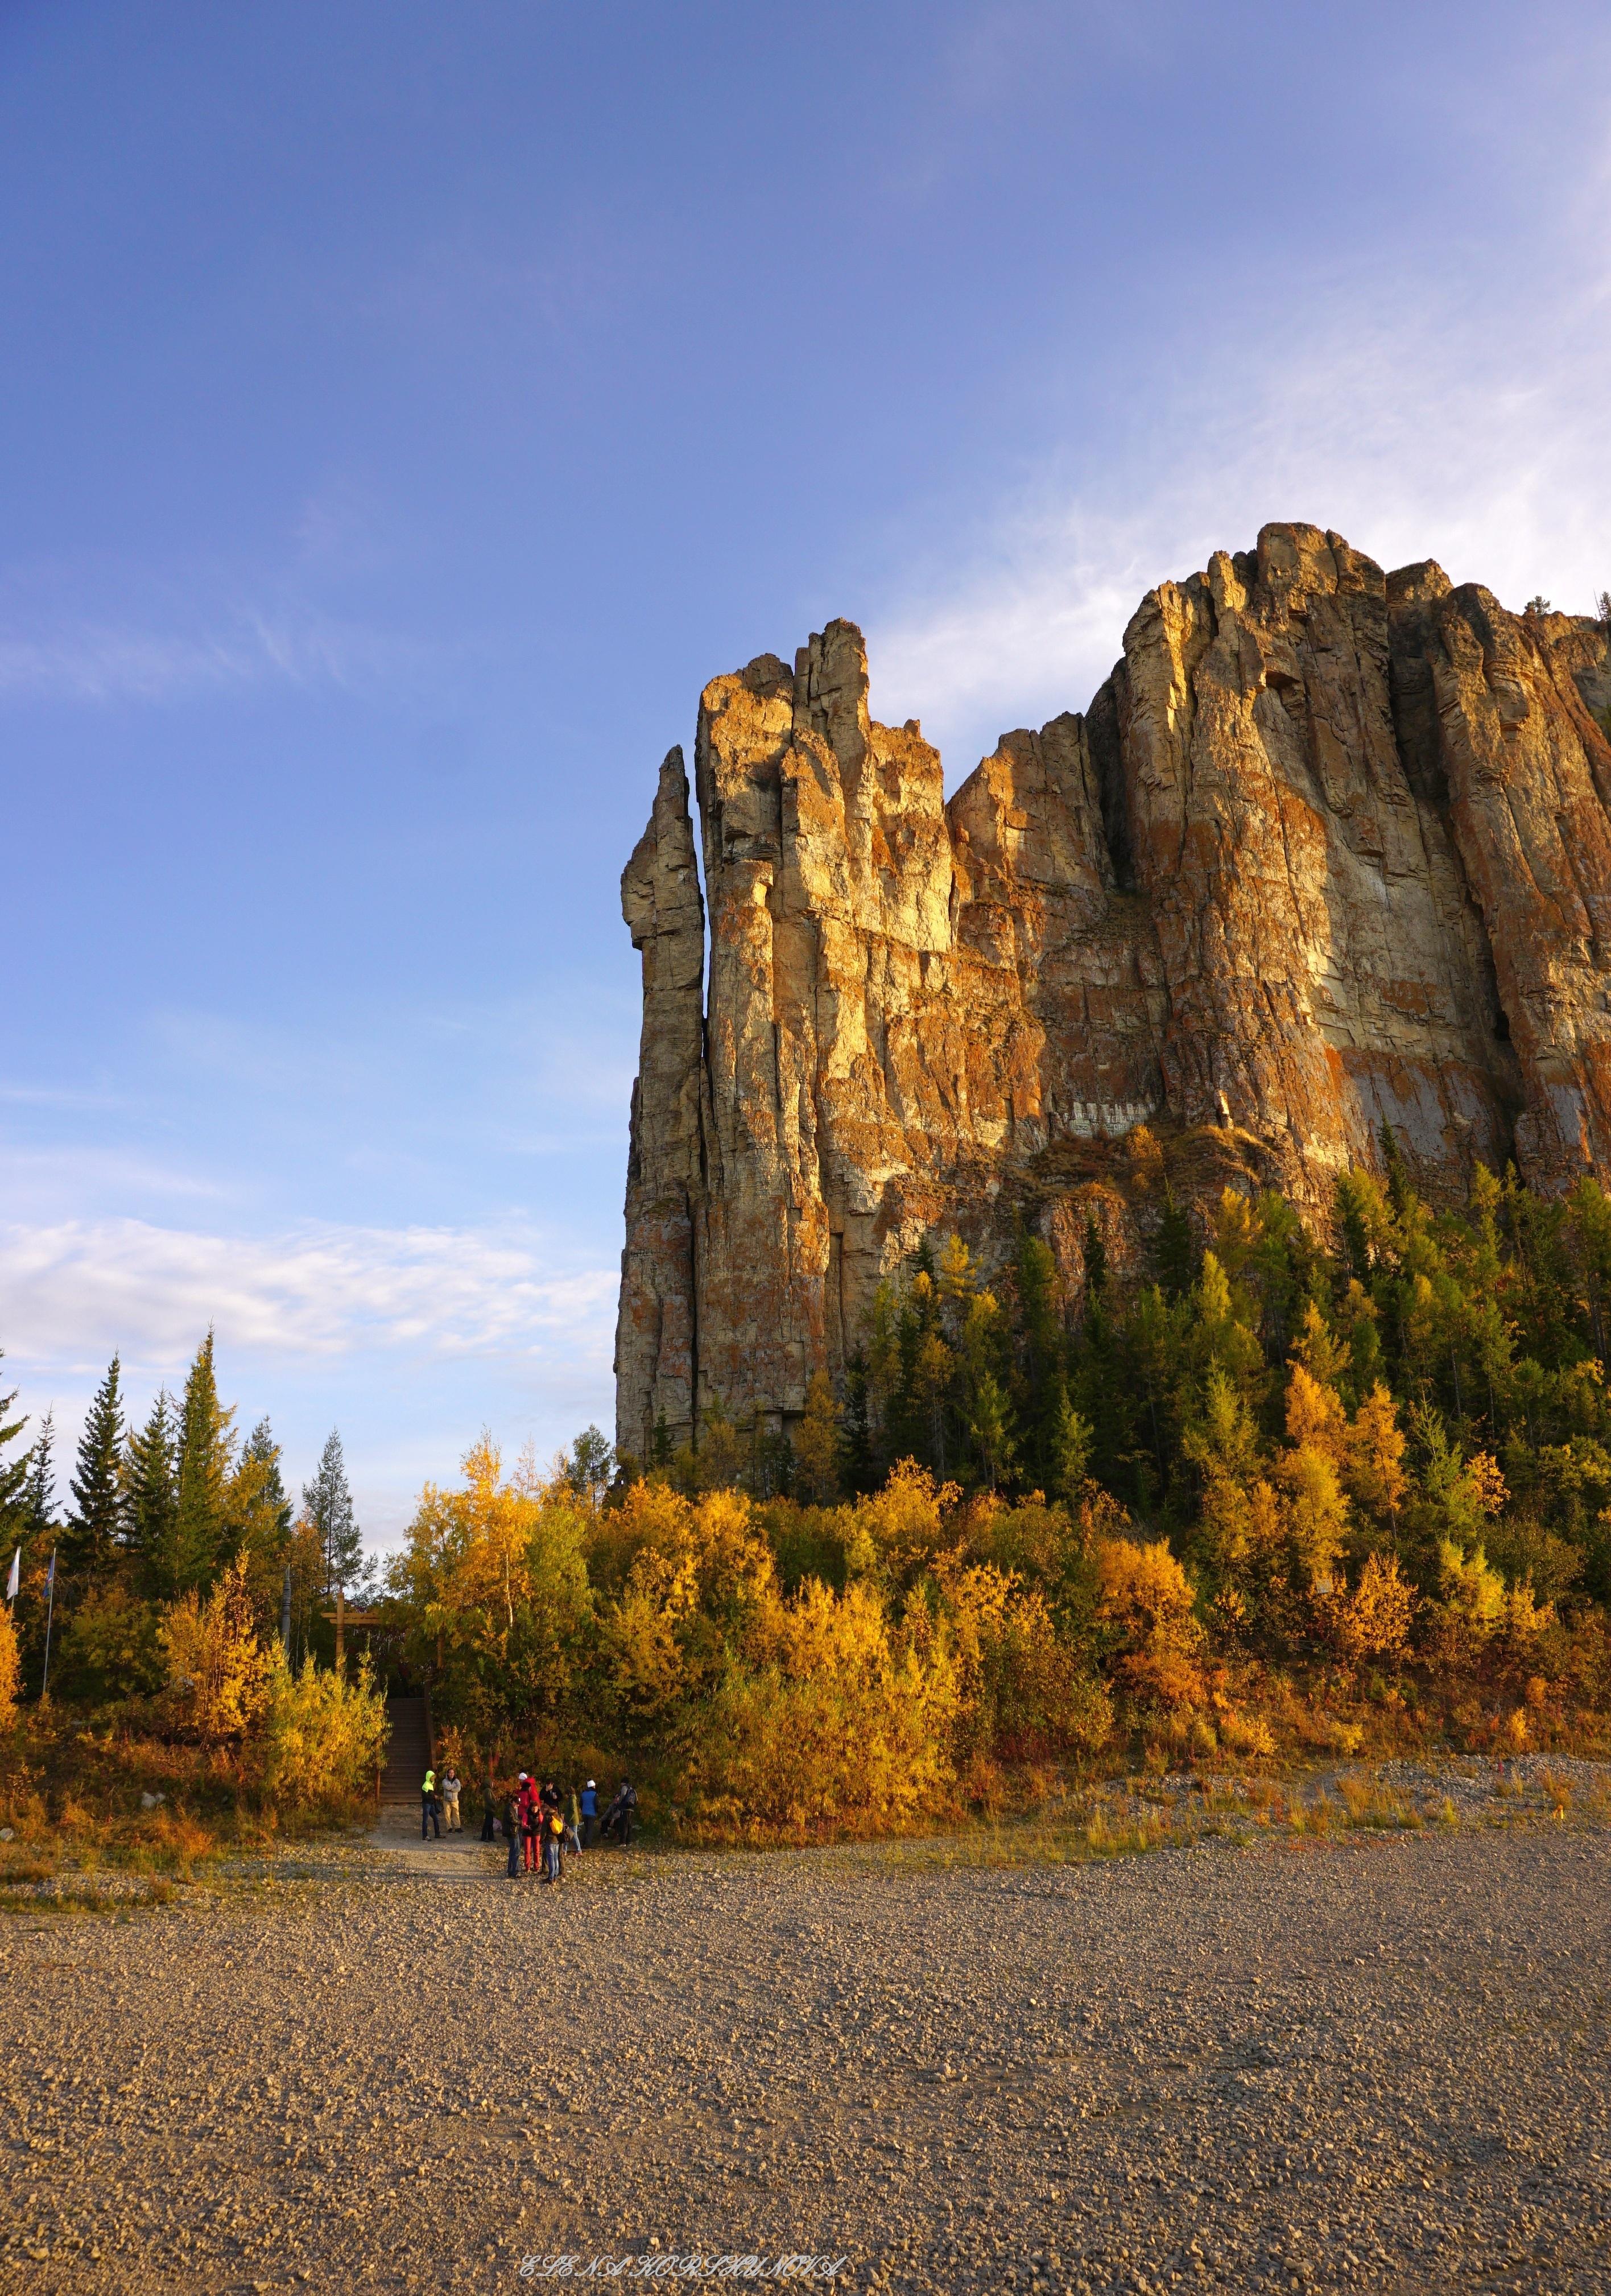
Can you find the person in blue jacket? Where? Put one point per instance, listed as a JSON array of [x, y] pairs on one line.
[[590, 1813]]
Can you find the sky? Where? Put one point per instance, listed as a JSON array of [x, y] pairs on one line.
[[405, 409]]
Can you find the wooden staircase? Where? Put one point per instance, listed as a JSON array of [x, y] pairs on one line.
[[408, 1750]]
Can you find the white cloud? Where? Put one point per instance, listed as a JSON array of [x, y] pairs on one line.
[[1478, 434], [75, 1290]]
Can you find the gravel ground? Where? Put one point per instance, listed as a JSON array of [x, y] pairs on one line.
[[1381, 2062]]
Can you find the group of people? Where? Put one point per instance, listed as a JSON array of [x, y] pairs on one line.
[[541, 1830], [544, 1832]]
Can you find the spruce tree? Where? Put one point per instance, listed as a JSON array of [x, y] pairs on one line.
[[262, 1451], [93, 1533], [13, 1472], [329, 1510], [150, 1489], [39, 1491], [859, 1467], [205, 1443], [1175, 1255]]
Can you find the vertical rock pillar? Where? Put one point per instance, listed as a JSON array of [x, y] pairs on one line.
[[657, 1330]]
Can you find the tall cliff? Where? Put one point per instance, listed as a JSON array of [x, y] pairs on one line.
[[1329, 846]]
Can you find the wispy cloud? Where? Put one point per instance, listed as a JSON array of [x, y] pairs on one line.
[[75, 1291], [1417, 427], [114, 661]]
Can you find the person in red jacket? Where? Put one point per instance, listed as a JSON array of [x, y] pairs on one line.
[[514, 1812], [531, 1822]]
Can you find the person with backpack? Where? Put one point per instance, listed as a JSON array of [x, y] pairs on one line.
[[431, 1810], [618, 1816], [590, 1813], [553, 1825]]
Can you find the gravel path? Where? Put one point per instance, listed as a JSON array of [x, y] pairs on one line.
[[1381, 2063]]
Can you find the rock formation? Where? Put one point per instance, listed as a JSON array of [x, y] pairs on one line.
[[1329, 846]]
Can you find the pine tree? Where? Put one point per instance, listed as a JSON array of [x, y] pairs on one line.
[[1400, 1193], [151, 1497], [93, 1533], [205, 1444], [1174, 1249], [328, 1506], [858, 1425], [262, 1451], [39, 1491], [1043, 1390], [13, 1472], [590, 1466], [1069, 1449]]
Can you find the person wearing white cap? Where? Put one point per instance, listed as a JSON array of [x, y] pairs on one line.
[[589, 1812]]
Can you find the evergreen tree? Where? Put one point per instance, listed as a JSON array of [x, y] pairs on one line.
[[659, 1450], [13, 1472], [1044, 1392], [1069, 1451], [329, 1510], [263, 1452], [858, 1425], [590, 1466], [151, 1497], [39, 1491], [205, 1444], [1174, 1249], [1400, 1193], [93, 1533]]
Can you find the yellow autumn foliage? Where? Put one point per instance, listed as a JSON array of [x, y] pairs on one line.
[[219, 1675], [11, 1668]]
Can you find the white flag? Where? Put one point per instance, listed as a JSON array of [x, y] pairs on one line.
[[15, 1580]]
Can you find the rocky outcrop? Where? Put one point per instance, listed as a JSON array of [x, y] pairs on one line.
[[1331, 847]]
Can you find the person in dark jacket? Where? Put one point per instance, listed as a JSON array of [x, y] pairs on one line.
[[430, 1809], [618, 1816]]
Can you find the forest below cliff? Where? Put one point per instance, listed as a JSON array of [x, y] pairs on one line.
[[1262, 1497], [1255, 1497]]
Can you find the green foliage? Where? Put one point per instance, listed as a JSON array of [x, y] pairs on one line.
[[13, 1472], [93, 1532], [205, 1450], [109, 1648], [38, 1504], [328, 1504], [150, 1486]]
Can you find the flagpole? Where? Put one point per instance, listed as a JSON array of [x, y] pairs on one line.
[[49, 1615]]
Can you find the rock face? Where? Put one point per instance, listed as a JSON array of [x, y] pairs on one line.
[[1329, 846]]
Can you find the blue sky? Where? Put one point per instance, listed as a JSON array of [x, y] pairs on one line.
[[403, 409]]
